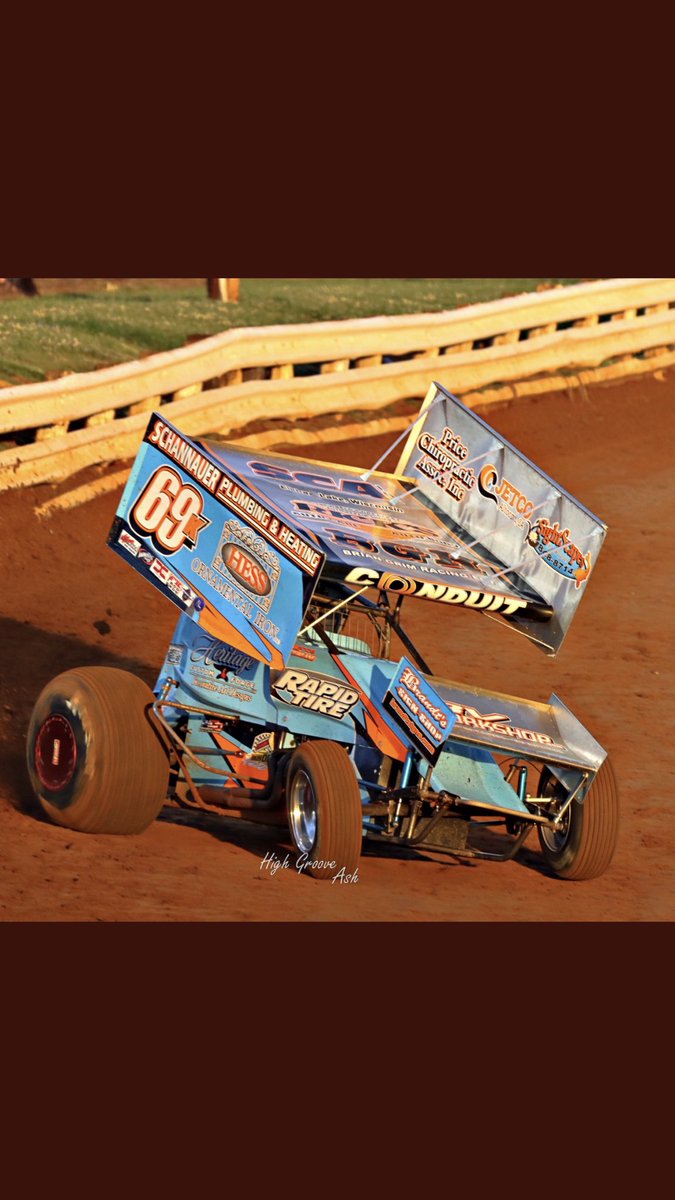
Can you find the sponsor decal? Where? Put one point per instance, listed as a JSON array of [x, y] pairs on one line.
[[246, 684], [307, 557], [444, 593], [306, 652], [452, 557], [247, 569], [262, 745], [228, 492], [174, 656], [243, 689], [370, 521], [215, 666], [146, 556], [200, 673], [208, 685], [497, 723], [349, 487], [210, 653], [419, 711], [175, 585], [175, 447], [128, 543], [556, 548], [213, 725], [268, 628], [220, 585], [236, 694], [316, 693], [247, 561], [443, 461], [169, 511], [509, 500]]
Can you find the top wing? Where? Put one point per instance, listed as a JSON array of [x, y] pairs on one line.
[[380, 532]]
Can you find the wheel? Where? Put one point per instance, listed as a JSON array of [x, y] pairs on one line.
[[96, 761], [324, 810], [584, 846]]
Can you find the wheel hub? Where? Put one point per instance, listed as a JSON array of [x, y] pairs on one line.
[[556, 838], [55, 753]]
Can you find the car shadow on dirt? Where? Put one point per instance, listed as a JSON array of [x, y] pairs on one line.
[[256, 838], [488, 842], [260, 839], [491, 842], [29, 658]]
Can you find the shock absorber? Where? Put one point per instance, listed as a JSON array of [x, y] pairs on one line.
[[406, 774], [522, 784]]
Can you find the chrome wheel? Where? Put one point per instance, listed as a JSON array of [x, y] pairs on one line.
[[323, 804], [302, 812], [583, 844]]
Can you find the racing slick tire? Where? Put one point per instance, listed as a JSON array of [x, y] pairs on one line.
[[584, 847], [324, 811], [96, 760]]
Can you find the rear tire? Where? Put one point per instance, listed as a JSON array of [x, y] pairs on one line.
[[584, 847], [324, 810], [96, 760]]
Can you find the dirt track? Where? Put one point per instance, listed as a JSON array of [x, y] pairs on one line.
[[67, 601]]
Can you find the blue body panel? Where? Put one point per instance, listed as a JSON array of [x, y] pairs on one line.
[[224, 681]]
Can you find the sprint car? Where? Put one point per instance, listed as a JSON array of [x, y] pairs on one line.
[[291, 693]]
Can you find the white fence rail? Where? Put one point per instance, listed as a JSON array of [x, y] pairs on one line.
[[223, 383]]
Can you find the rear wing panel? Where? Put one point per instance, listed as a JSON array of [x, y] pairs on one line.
[[509, 725], [503, 505]]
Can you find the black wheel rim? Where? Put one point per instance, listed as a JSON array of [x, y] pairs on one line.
[[55, 753]]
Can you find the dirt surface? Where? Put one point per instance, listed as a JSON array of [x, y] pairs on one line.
[[66, 601]]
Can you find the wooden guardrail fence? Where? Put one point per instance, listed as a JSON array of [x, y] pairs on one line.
[[223, 383]]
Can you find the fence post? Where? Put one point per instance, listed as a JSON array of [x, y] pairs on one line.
[[223, 289]]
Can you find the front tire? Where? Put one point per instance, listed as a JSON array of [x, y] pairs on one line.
[[96, 761], [324, 810], [584, 846]]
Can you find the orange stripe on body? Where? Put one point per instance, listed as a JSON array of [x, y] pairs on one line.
[[383, 737], [242, 767], [214, 623]]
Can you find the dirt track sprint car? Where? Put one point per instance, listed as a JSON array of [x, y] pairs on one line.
[[280, 699]]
